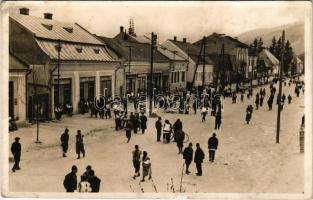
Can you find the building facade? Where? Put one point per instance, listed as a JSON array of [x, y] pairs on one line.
[[68, 63]]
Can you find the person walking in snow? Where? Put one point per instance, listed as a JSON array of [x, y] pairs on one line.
[[212, 146], [136, 161], [80, 144], [64, 142], [199, 156]]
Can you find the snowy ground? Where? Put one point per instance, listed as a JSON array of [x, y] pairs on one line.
[[248, 159]]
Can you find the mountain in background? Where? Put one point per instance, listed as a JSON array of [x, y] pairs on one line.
[[294, 33]]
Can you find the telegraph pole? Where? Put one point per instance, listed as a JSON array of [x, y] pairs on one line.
[[280, 87], [203, 75], [153, 45]]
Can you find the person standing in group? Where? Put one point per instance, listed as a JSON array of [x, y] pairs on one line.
[[261, 99], [180, 137], [87, 172], [270, 101], [218, 120], [80, 144], [194, 105], [143, 123], [167, 129], [158, 126], [70, 181], [146, 166], [133, 121], [118, 121], [188, 155], [128, 130], [94, 182], [136, 161], [64, 142], [16, 149], [212, 146], [199, 156], [204, 113], [177, 126], [84, 185]]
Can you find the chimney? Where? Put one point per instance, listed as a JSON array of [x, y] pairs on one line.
[[47, 15], [184, 40], [121, 29], [24, 11], [175, 38]]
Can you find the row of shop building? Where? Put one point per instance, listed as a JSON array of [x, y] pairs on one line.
[[54, 62]]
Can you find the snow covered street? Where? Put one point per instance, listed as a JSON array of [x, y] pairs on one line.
[[247, 160]]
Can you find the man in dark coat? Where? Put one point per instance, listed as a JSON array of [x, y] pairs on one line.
[[188, 155], [180, 137], [64, 141], [70, 181], [79, 144], [143, 123], [257, 101], [212, 146], [128, 130], [218, 120], [136, 161], [158, 126], [178, 125], [199, 156], [94, 182], [16, 151], [134, 122]]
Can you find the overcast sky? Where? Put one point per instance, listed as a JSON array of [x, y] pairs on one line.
[[182, 19]]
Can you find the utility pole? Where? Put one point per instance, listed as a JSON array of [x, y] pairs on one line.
[[153, 45], [280, 87], [203, 75], [58, 48]]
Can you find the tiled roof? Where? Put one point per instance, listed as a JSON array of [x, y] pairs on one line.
[[139, 51], [192, 50], [70, 51], [55, 30]]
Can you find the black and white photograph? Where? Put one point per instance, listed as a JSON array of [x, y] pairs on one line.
[[132, 99]]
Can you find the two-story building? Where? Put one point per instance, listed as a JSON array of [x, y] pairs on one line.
[[68, 63]]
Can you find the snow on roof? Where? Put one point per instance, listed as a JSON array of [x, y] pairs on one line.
[[71, 51], [55, 30]]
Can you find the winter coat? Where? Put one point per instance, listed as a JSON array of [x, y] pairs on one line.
[[158, 125], [143, 122], [70, 182], [64, 139], [199, 156], [180, 136], [178, 125], [188, 154], [212, 143], [94, 183], [16, 149]]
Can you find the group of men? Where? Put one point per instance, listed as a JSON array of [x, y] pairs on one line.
[[89, 181], [199, 154], [79, 143]]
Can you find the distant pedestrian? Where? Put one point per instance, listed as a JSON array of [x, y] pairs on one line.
[[242, 97], [257, 101], [158, 126], [261, 100], [146, 166], [234, 97], [118, 121], [212, 146], [218, 120], [194, 106], [180, 137], [70, 181], [249, 111], [167, 129], [289, 99], [80, 144], [128, 130], [16, 151], [203, 113], [199, 156], [94, 182], [143, 123], [64, 141], [188, 155], [136, 161], [270, 101]]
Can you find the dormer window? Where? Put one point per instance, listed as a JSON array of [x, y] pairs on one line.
[[96, 51], [68, 29], [47, 26], [79, 49]]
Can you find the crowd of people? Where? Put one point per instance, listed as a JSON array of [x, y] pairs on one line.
[[209, 102]]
